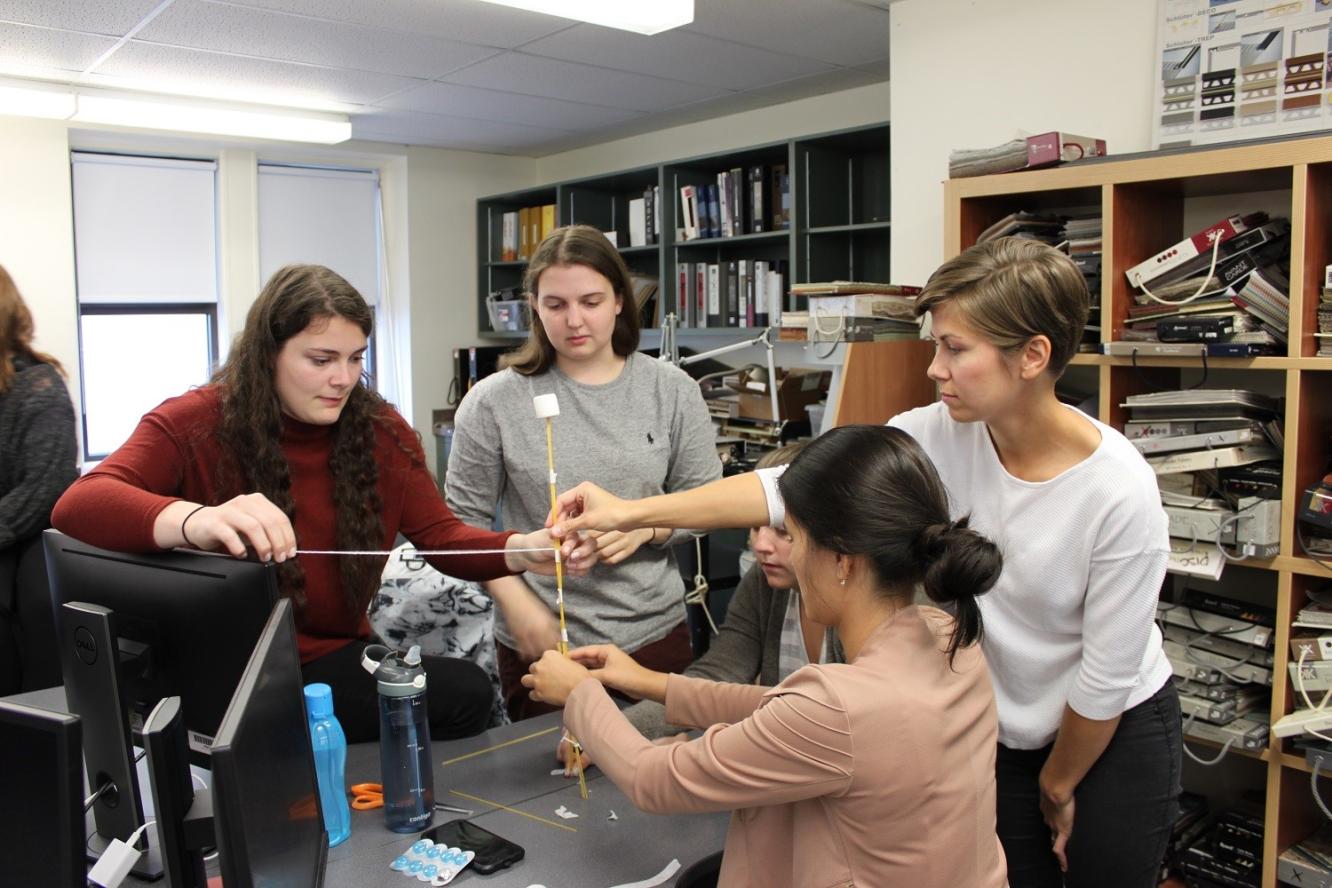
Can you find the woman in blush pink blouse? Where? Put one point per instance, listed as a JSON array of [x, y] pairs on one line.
[[875, 772]]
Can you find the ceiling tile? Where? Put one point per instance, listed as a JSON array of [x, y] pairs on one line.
[[676, 54], [837, 31], [23, 49], [115, 18], [196, 72], [533, 75], [467, 21], [222, 27], [485, 104], [453, 132]]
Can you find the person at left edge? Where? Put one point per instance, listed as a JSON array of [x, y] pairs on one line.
[[289, 443]]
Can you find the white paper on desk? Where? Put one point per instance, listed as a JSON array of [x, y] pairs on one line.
[[671, 869], [1195, 559]]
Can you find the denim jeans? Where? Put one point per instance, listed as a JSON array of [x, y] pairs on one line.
[[1123, 809]]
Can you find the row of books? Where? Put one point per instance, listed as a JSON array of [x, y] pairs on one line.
[[1240, 309], [645, 217], [1324, 334], [744, 200], [521, 231], [738, 293], [1217, 458]]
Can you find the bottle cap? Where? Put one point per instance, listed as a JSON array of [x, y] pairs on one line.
[[318, 700]]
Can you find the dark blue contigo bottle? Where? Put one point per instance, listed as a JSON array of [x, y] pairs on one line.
[[404, 738]]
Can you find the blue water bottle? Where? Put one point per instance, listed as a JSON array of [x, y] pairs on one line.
[[330, 754], [404, 738]]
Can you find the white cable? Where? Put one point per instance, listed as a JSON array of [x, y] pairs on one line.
[[1313, 787], [1206, 763], [1216, 252], [417, 553]]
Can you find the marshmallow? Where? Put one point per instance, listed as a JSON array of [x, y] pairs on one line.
[[546, 406]]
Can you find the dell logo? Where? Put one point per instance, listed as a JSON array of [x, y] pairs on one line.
[[85, 645]]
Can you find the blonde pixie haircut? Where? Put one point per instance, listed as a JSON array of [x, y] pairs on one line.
[[1011, 289]]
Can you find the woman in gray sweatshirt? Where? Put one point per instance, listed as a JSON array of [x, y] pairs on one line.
[[633, 424]]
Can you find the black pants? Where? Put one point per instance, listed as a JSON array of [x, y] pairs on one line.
[[1123, 809], [459, 696]]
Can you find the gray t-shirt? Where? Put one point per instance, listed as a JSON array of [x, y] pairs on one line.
[[644, 433]]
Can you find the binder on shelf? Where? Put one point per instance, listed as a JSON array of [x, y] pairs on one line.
[[649, 216], [738, 197], [780, 197], [732, 294], [715, 315], [509, 237], [723, 189], [714, 211], [637, 222], [744, 291], [701, 294], [547, 224], [685, 295], [757, 200], [689, 211]]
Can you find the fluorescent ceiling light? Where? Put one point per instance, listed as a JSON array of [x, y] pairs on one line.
[[24, 102], [642, 16], [292, 126]]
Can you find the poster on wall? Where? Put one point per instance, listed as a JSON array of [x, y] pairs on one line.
[[1241, 69]]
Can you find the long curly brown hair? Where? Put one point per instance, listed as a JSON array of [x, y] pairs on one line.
[[251, 425], [16, 333]]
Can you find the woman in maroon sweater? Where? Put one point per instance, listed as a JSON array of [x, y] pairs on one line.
[[287, 443]]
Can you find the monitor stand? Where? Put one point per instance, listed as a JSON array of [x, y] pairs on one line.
[[90, 659]]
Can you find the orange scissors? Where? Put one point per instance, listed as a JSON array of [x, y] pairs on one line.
[[371, 795], [367, 795]]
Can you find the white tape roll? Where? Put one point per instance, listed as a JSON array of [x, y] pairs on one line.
[[546, 406]]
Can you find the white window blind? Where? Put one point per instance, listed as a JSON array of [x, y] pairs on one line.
[[321, 217], [144, 229]]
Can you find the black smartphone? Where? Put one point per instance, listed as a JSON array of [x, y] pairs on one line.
[[492, 852]]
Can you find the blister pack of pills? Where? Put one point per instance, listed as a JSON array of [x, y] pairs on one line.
[[434, 864]]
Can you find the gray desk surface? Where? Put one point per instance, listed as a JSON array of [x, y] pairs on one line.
[[504, 776]]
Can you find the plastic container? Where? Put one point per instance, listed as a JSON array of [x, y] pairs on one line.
[[404, 738], [507, 315], [330, 754]]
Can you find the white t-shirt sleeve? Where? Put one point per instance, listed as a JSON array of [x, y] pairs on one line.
[[776, 508], [1128, 566]]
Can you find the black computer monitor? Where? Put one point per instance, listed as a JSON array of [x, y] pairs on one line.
[[185, 622], [134, 629], [41, 798], [266, 812]]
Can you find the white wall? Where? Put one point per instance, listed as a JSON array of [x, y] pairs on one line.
[[37, 233], [838, 110], [429, 220], [441, 219], [968, 73]]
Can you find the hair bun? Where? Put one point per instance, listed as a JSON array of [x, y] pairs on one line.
[[932, 541], [960, 563]]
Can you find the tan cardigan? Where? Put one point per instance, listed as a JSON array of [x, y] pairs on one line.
[[875, 773]]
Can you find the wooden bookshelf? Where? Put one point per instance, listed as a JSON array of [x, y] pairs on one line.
[[838, 230], [1146, 204]]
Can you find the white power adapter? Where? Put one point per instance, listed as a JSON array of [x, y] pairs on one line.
[[117, 860]]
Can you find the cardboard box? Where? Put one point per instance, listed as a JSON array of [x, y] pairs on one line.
[[796, 389], [1051, 148]]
